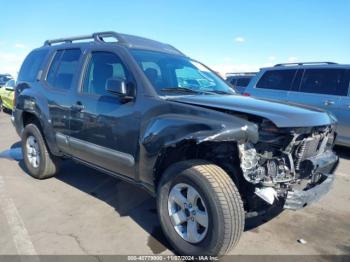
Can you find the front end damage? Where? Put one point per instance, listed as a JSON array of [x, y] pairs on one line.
[[294, 165]]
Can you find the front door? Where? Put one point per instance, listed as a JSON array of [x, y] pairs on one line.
[[104, 127]]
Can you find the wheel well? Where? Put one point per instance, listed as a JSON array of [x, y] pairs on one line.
[[223, 154], [30, 118]]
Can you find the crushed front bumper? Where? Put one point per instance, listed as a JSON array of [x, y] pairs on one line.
[[298, 198], [323, 164]]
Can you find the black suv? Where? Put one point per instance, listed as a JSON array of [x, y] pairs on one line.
[[144, 112]]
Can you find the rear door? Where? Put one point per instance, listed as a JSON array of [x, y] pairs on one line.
[[273, 84], [325, 88], [60, 79], [343, 114]]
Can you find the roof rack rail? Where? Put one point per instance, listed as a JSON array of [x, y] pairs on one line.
[[97, 37], [241, 73], [306, 63]]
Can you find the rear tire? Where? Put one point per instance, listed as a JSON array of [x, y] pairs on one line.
[[217, 197], [38, 160]]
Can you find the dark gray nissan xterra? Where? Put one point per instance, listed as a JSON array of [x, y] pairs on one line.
[[144, 112]]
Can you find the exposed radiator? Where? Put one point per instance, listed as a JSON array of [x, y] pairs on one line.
[[311, 146]]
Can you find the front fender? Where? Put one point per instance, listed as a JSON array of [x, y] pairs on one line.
[[170, 129]]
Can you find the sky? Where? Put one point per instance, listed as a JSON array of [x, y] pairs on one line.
[[228, 36]]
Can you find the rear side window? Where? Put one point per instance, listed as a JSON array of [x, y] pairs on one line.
[[277, 79], [63, 68], [243, 82], [325, 81], [31, 65]]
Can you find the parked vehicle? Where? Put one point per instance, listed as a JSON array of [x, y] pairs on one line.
[[7, 95], [144, 112], [239, 81], [324, 85], [4, 78]]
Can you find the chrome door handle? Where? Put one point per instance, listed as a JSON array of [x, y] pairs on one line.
[[328, 103]]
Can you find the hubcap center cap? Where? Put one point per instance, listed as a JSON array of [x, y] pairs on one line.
[[187, 212]]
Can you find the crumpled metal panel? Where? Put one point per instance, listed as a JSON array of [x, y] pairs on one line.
[[298, 199]]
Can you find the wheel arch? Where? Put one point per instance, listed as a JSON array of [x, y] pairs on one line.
[[223, 154], [33, 117], [171, 138]]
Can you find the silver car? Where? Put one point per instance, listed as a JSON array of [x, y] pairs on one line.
[[324, 85]]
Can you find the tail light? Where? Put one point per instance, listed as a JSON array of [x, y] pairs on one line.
[[246, 94]]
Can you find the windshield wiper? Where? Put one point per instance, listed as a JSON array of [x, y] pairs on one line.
[[180, 89], [220, 92]]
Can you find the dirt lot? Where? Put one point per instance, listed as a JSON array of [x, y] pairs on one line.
[[82, 211]]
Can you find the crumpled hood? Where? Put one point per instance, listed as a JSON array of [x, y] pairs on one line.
[[280, 113]]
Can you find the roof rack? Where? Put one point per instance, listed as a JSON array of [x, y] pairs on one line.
[[306, 63], [97, 37]]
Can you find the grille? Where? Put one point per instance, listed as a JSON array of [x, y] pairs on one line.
[[311, 146]]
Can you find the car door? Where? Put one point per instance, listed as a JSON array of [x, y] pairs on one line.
[[273, 84], [343, 114], [325, 88], [9, 94], [2, 94], [104, 127], [61, 77]]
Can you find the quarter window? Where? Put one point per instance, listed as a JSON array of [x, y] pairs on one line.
[[63, 68], [102, 67], [325, 81], [277, 79], [31, 66]]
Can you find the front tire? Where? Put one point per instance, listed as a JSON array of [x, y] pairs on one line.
[[38, 160], [200, 209]]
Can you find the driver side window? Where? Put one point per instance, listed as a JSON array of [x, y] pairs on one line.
[[102, 67]]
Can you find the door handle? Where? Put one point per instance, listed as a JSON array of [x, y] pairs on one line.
[[328, 103], [78, 107]]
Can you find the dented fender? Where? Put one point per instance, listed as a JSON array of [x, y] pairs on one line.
[[168, 130]]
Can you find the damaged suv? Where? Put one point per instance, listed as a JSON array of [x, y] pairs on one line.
[[144, 112]]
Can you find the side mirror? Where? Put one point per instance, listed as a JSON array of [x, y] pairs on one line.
[[118, 86]]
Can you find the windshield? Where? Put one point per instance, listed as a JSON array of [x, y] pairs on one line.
[[171, 74]]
